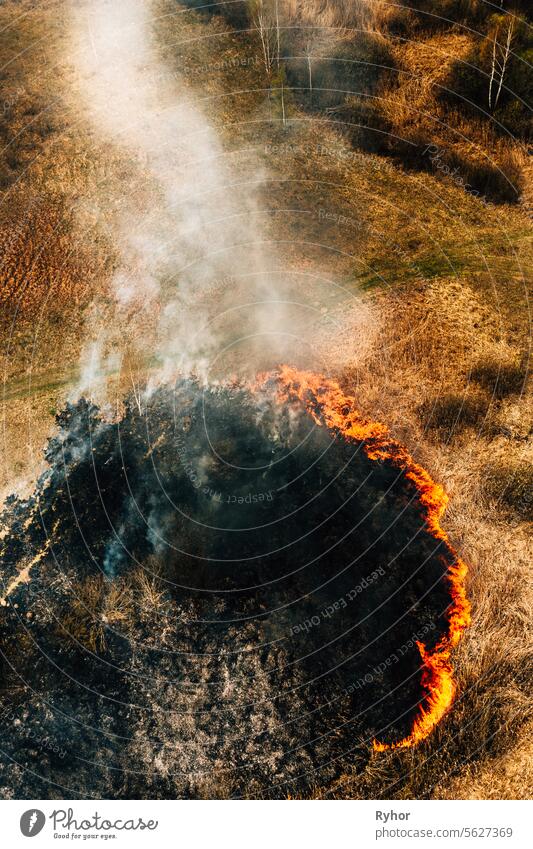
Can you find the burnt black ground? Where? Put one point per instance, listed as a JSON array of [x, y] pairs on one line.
[[293, 574]]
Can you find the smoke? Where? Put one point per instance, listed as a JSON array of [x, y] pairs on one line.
[[186, 225], [198, 289]]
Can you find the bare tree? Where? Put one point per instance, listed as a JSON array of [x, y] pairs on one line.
[[266, 20], [500, 59], [265, 16]]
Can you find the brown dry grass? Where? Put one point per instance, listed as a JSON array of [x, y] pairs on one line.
[[506, 777], [96, 606], [99, 607], [343, 14], [415, 110], [55, 258], [412, 105], [495, 660]]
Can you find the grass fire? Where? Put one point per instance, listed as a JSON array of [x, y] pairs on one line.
[[267, 457], [275, 557]]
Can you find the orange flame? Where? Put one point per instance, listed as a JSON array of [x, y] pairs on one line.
[[329, 406]]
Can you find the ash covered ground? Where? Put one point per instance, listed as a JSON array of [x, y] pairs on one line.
[[223, 599]]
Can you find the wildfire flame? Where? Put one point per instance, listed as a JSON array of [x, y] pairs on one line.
[[329, 406]]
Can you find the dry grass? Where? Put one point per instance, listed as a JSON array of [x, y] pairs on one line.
[[54, 255], [501, 378], [97, 606], [506, 777], [494, 662], [156, 612], [413, 106], [345, 14], [130, 607], [463, 146], [509, 484]]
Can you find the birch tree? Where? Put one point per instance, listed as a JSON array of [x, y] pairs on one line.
[[500, 59], [265, 18]]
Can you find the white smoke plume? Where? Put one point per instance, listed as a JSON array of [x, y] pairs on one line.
[[190, 225], [192, 256]]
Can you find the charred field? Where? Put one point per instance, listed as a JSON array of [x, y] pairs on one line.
[[260, 583]]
